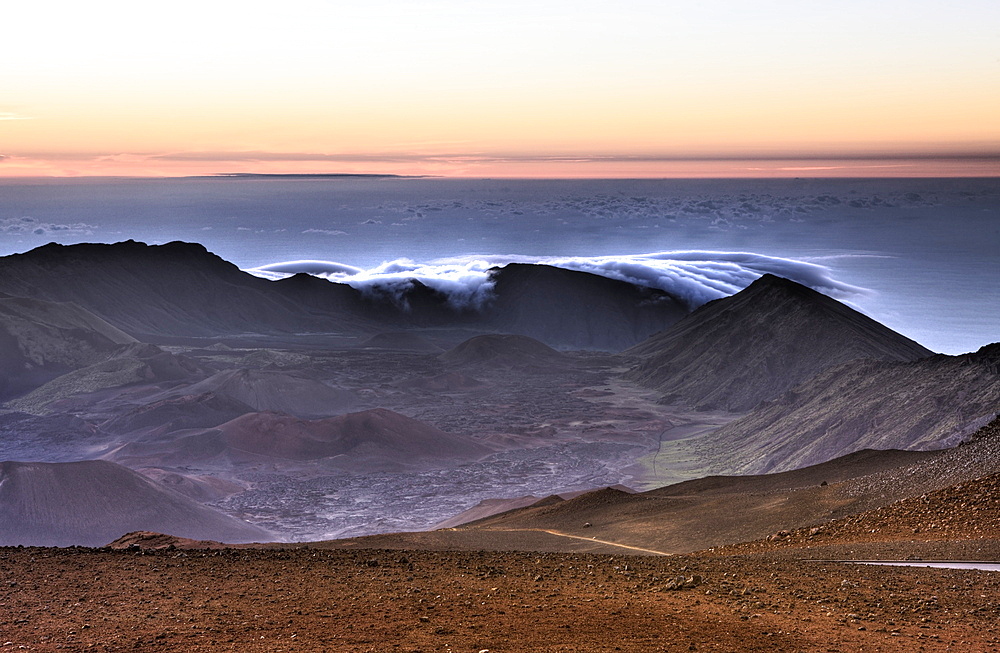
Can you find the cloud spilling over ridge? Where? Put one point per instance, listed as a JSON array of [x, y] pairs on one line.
[[466, 284], [695, 277]]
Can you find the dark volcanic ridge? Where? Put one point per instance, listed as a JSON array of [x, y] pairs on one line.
[[146, 292], [735, 352], [577, 310]]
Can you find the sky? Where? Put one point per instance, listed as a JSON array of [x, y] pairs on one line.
[[523, 89]]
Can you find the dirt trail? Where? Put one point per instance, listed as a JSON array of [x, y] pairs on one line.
[[580, 537]]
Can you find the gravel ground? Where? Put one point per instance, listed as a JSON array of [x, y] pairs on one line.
[[377, 600]]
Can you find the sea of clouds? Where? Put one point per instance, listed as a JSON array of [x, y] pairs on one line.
[[694, 277]]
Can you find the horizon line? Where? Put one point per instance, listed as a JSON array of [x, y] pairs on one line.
[[249, 165]]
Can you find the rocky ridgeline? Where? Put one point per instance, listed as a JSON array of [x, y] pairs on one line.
[[933, 403], [969, 509], [978, 457], [962, 512]]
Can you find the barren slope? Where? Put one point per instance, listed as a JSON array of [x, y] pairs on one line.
[[371, 439], [147, 291], [93, 502], [577, 310], [735, 352], [718, 511], [272, 390], [40, 340], [127, 365], [503, 351], [928, 404], [189, 411]]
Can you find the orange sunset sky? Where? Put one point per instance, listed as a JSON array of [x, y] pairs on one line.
[[472, 88]]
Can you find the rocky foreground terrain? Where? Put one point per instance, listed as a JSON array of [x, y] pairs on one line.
[[309, 599], [793, 590]]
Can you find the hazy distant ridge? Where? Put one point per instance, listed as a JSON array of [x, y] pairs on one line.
[[154, 292]]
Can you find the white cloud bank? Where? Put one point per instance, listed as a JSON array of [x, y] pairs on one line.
[[696, 277], [26, 225]]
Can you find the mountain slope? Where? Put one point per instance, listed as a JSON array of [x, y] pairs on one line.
[[721, 510], [93, 502], [932, 403], [149, 292], [190, 411], [503, 351], [272, 390], [371, 439], [128, 365], [40, 340], [735, 352], [577, 310]]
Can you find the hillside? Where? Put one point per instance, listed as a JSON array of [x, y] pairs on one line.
[[127, 365], [504, 351], [93, 502], [272, 390], [735, 352], [40, 340], [146, 291], [931, 403], [577, 310], [366, 440], [865, 487]]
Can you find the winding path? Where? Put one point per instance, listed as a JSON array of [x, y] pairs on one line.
[[580, 537]]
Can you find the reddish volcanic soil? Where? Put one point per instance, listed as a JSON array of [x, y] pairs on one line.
[[782, 593], [370, 600]]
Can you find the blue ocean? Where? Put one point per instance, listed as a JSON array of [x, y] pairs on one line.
[[919, 255]]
